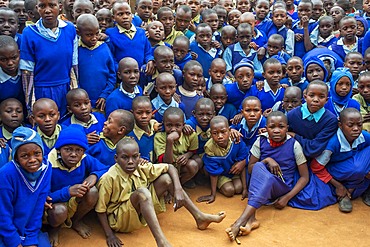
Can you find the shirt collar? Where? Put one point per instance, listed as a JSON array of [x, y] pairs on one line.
[[311, 116], [321, 39], [82, 44], [196, 19], [107, 141], [129, 32], [344, 144], [348, 48], [55, 135], [130, 95], [214, 149], [267, 88], [7, 135], [303, 80], [92, 121], [212, 51], [258, 33], [54, 160], [47, 31], [5, 77], [255, 126], [140, 132]]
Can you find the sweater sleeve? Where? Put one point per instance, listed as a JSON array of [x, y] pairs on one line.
[[111, 80], [8, 231], [212, 166], [318, 166], [227, 56], [95, 167], [61, 195], [148, 51]]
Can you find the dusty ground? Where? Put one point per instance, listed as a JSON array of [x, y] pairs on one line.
[[287, 227]]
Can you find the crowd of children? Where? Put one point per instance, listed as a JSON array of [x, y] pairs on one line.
[[116, 106]]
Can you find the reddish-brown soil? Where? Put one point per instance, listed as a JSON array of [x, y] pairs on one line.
[[287, 227]]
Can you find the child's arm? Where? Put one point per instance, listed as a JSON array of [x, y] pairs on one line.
[[238, 167], [243, 178], [178, 192], [301, 183], [235, 135], [306, 36], [168, 154], [212, 197], [112, 239], [27, 80], [183, 159]]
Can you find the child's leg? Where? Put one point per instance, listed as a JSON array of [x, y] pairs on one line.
[[238, 185], [164, 183], [228, 189], [245, 220], [189, 170], [85, 205], [56, 217], [141, 199]]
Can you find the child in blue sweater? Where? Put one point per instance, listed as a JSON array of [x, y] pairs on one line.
[[145, 127], [225, 161], [10, 77], [45, 115], [121, 98], [144, 11], [217, 74], [275, 47], [98, 80], [325, 35], [79, 105], [125, 40], [118, 125], [73, 192], [345, 164], [294, 70], [193, 76], [11, 30], [25, 184], [165, 85], [11, 115], [292, 99], [49, 79], [181, 51], [218, 95], [340, 91], [202, 47]]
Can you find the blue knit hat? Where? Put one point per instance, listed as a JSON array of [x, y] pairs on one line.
[[245, 62], [23, 135], [73, 135], [280, 59]]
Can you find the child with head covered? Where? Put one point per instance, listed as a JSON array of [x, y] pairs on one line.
[[134, 194], [272, 174], [345, 163], [25, 184], [225, 161]]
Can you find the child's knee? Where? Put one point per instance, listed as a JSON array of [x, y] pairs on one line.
[[227, 189], [58, 214], [91, 197], [142, 194], [165, 180], [193, 166], [238, 188]]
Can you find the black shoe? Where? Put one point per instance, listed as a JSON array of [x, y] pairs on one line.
[[345, 205], [366, 197]]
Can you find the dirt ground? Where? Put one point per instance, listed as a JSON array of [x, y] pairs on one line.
[[287, 227]]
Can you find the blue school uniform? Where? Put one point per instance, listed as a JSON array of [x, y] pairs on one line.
[[147, 79], [314, 60], [47, 148], [159, 44], [4, 155], [189, 99], [268, 98], [260, 39], [137, 21], [159, 105], [263, 25], [299, 49], [96, 122], [18, 39], [181, 63], [235, 96], [228, 111], [63, 178], [122, 46], [120, 99], [225, 80], [235, 53], [324, 53], [302, 84], [221, 165], [336, 104], [51, 79], [11, 87], [249, 136], [204, 134], [205, 58], [320, 41], [349, 164], [321, 125], [145, 141], [96, 71], [104, 151], [22, 205], [342, 50]]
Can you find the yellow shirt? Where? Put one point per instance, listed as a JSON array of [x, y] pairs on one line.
[[212, 149], [53, 158], [7, 135], [364, 109], [82, 44], [185, 144], [129, 33], [172, 36], [50, 140], [87, 125], [115, 186]]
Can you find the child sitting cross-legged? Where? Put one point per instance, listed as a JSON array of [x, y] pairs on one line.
[[224, 160], [130, 196], [73, 192]]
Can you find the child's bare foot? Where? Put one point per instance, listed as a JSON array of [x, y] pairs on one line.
[[83, 230], [232, 231], [205, 219], [245, 230], [54, 237]]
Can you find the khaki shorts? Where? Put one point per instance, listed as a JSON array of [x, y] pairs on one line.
[[223, 180]]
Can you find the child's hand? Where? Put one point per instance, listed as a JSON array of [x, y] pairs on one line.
[[244, 194], [150, 68], [292, 134], [367, 176], [262, 130], [281, 202], [177, 98], [157, 127], [3, 142], [235, 135], [194, 55], [237, 118], [182, 160], [237, 168], [114, 241], [304, 21], [367, 118], [192, 26], [90, 181], [143, 162], [179, 199], [355, 91], [187, 130], [215, 44], [48, 203], [92, 138], [273, 166], [261, 52], [267, 112], [100, 104], [78, 190], [206, 94], [253, 45], [298, 37], [174, 136], [207, 199], [342, 192], [102, 37], [260, 85], [285, 86]]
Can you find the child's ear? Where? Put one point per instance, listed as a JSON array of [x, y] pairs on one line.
[[69, 109], [122, 130], [119, 75], [78, 32], [339, 125], [115, 158]]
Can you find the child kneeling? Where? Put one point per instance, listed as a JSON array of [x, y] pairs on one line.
[[130, 196]]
